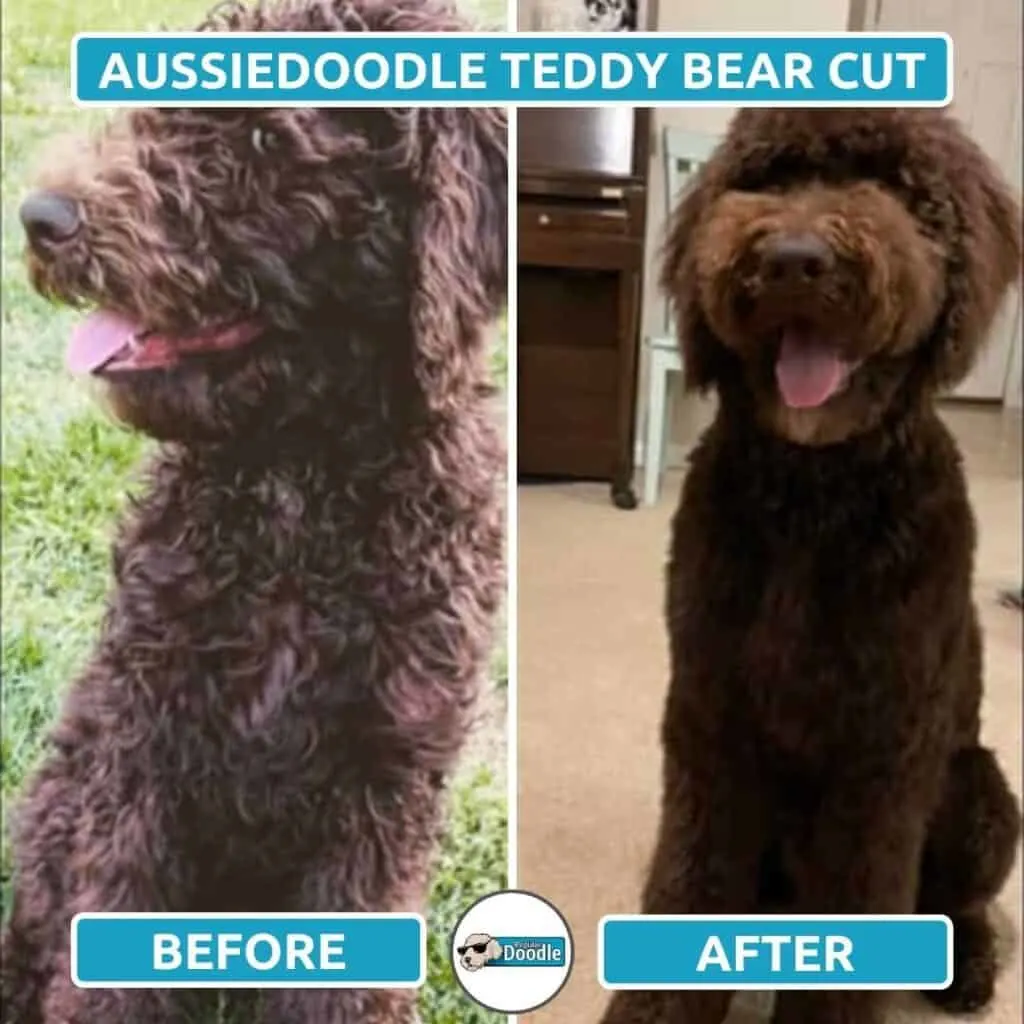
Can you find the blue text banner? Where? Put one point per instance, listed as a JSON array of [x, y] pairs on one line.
[[770, 952], [248, 950], [523, 69]]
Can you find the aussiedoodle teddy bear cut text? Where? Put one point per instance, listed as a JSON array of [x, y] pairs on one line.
[[296, 304], [832, 272]]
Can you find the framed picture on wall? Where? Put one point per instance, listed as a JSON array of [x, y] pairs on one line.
[[582, 15]]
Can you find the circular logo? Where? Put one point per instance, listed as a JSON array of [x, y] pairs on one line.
[[512, 952]]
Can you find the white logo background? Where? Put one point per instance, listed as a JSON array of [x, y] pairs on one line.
[[509, 915]]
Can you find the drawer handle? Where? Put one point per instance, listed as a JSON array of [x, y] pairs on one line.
[[543, 220]]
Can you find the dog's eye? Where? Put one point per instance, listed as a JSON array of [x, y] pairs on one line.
[[262, 140]]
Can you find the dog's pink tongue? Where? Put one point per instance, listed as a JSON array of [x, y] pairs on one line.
[[97, 339], [809, 371]]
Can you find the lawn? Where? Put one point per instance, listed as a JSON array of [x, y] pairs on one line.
[[66, 472]]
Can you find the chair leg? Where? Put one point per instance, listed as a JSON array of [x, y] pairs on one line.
[[656, 381], [666, 418]]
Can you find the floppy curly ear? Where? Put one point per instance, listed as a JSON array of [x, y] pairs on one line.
[[985, 262], [704, 357], [493, 950], [460, 246]]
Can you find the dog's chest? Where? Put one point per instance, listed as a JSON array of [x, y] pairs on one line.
[[788, 685], [815, 597], [817, 634], [256, 620], [281, 503]]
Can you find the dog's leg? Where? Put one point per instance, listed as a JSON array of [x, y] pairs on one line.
[[123, 859], [862, 857], [379, 863], [356, 880], [46, 823], [24, 970], [706, 862], [69, 1005], [970, 850], [341, 1006]]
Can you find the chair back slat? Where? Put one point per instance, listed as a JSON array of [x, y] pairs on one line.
[[685, 152]]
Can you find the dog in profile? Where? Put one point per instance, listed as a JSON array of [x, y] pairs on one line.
[[296, 304], [832, 273], [478, 951]]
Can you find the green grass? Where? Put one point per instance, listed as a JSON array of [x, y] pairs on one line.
[[66, 471]]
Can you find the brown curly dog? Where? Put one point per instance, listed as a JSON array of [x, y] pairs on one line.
[[831, 272], [296, 303]]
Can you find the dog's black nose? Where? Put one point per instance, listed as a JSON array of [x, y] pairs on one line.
[[796, 258], [50, 217]]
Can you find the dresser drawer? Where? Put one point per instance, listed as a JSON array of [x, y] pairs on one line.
[[567, 411], [576, 218]]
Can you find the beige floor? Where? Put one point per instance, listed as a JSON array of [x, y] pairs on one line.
[[592, 673]]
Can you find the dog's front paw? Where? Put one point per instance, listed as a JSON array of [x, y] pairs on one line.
[[970, 993], [974, 969]]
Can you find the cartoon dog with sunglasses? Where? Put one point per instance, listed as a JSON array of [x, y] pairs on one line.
[[478, 950]]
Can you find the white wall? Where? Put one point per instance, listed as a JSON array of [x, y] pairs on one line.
[[1014, 393]]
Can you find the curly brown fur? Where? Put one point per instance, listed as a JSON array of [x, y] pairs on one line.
[[821, 735], [304, 594]]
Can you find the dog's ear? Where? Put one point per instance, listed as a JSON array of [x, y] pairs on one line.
[[984, 260], [493, 951], [460, 244], [704, 357]]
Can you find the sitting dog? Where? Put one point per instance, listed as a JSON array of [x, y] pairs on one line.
[[295, 302], [832, 273]]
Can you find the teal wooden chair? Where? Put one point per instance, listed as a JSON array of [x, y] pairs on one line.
[[684, 153]]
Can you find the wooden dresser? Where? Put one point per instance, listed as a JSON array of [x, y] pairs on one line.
[[582, 212]]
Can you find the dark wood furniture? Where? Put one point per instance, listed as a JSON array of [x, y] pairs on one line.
[[582, 214]]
